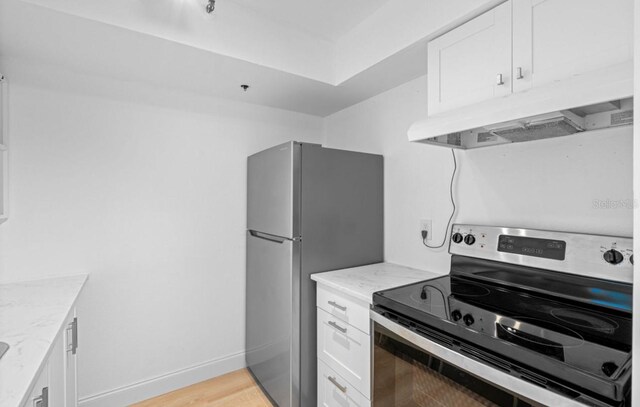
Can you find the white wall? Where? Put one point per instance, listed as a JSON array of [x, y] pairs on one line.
[[151, 202], [550, 184]]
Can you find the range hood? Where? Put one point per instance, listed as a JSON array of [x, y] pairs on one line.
[[562, 108]]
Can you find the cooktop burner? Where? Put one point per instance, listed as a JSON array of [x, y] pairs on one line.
[[468, 290], [572, 338], [586, 319]]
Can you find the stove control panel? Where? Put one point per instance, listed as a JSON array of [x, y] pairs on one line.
[[599, 256], [532, 246]]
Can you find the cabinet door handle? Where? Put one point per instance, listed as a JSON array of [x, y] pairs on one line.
[[499, 80], [72, 336], [43, 399], [335, 304], [338, 327], [338, 385], [519, 74]]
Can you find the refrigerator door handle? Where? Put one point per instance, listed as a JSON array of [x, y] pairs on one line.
[[266, 236]]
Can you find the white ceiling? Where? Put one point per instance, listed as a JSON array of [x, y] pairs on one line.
[[175, 45], [330, 19]]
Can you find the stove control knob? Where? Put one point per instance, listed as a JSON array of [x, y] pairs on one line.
[[456, 315], [457, 237], [613, 256], [609, 368], [468, 320], [469, 239]]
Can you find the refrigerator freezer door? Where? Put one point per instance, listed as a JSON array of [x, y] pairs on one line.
[[272, 190], [269, 314], [342, 208]]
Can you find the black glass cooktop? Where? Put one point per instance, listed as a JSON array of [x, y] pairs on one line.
[[588, 291], [573, 328], [443, 296]]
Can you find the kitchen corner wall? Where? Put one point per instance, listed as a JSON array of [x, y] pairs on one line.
[[580, 183], [148, 199]]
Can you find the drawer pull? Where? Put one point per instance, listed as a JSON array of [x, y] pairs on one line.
[[338, 327], [338, 385], [335, 304]]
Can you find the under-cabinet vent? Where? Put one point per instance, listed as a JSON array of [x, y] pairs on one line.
[[539, 131], [544, 126], [622, 118], [454, 139]]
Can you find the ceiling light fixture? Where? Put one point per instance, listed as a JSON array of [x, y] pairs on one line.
[[211, 6]]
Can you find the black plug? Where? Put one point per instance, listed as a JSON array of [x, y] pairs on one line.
[[424, 234]]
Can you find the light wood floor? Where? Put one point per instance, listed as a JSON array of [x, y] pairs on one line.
[[231, 390]]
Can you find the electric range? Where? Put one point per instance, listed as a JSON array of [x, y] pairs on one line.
[[525, 317]]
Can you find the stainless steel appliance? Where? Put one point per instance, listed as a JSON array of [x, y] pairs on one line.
[[524, 318], [310, 209]]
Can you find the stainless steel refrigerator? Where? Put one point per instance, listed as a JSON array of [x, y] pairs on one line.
[[310, 209]]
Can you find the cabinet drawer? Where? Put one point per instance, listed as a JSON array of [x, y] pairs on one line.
[[344, 307], [335, 391], [346, 350]]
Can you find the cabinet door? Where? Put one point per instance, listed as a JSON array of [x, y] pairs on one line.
[[39, 388], [557, 39], [70, 361], [56, 374], [466, 64]]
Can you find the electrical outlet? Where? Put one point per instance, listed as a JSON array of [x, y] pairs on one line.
[[425, 224]]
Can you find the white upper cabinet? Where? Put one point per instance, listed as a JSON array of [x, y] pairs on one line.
[[471, 63], [528, 44], [557, 39]]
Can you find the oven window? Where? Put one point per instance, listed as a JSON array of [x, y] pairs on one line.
[[406, 376]]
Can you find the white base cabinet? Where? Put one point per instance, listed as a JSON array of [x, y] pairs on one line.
[[56, 383], [335, 391], [39, 394], [344, 349]]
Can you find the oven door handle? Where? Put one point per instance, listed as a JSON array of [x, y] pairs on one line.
[[474, 367]]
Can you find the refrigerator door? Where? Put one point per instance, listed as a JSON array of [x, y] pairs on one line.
[[342, 226], [272, 190], [270, 314]]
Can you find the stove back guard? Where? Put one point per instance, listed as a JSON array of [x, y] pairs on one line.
[[595, 256]]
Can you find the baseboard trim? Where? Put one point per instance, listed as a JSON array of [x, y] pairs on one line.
[[146, 389]]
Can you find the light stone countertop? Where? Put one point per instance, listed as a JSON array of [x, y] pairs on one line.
[[32, 314], [361, 282]]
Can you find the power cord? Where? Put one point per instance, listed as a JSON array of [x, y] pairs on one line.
[[453, 212]]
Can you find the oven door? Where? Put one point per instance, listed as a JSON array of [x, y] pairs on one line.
[[410, 370]]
